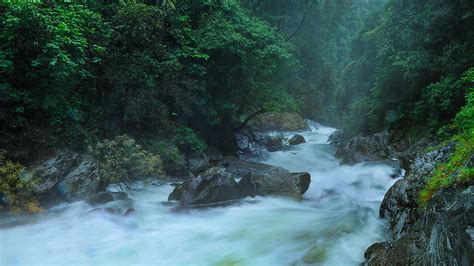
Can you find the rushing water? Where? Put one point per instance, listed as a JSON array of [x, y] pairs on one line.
[[333, 225]]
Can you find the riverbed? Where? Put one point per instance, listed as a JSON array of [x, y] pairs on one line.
[[333, 225]]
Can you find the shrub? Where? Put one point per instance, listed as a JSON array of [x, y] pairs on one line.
[[187, 140], [122, 159], [16, 192], [459, 169], [171, 156]]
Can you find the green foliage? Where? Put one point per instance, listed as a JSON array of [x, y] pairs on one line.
[[71, 71], [171, 156], [187, 140], [16, 191], [122, 159], [459, 169]]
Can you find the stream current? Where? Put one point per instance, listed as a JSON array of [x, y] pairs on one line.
[[333, 225]]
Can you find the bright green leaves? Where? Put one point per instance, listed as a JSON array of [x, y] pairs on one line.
[[459, 169]]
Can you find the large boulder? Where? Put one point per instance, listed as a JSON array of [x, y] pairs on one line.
[[296, 140], [269, 180], [214, 185], [363, 148], [67, 176], [219, 184]]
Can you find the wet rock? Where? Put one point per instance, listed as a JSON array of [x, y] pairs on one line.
[[218, 184], [271, 142], [197, 162], [296, 140], [214, 185], [304, 180], [268, 179], [66, 177], [359, 149]]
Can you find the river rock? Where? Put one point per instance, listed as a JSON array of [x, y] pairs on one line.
[[218, 184], [269, 180], [363, 148], [215, 185], [271, 142], [66, 177], [296, 140]]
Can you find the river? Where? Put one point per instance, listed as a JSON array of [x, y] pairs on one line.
[[333, 225]]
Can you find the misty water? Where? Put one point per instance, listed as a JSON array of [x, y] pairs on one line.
[[333, 225]]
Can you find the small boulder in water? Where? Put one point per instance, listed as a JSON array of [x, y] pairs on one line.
[[303, 181], [296, 140]]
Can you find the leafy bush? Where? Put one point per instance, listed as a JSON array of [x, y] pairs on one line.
[[15, 191], [122, 159], [171, 156], [187, 140], [459, 169]]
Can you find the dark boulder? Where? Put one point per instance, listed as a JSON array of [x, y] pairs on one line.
[[268, 179], [214, 185], [363, 148], [219, 184], [271, 142], [296, 140], [304, 180]]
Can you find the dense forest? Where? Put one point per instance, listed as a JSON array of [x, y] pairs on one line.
[[142, 85], [191, 69]]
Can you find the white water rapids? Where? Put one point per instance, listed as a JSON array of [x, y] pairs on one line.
[[333, 225]]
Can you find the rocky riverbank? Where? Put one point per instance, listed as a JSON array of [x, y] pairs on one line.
[[441, 233]]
